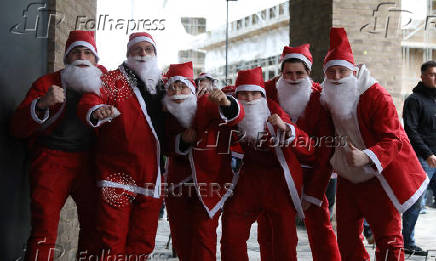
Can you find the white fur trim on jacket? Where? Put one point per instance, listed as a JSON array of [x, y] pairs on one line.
[[374, 159], [220, 204], [364, 79], [100, 122], [312, 200], [61, 109], [224, 118], [157, 189], [35, 115], [131, 188], [288, 177], [406, 205]]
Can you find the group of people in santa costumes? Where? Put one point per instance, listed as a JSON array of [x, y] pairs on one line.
[[101, 136]]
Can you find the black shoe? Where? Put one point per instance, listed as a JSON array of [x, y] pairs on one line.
[[414, 250]]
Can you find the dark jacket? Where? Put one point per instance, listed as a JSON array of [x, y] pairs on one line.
[[419, 114]]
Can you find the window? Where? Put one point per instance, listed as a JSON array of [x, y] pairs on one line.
[[281, 9]]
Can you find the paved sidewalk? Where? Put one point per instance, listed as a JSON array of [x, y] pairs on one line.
[[425, 235]]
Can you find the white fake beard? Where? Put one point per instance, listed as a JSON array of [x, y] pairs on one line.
[[82, 79], [256, 115], [185, 111], [341, 99], [293, 96], [147, 70]]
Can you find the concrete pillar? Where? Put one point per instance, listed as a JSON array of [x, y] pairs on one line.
[[372, 27]]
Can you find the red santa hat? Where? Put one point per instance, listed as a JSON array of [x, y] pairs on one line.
[[340, 52], [141, 37], [180, 72], [204, 75], [301, 53], [81, 38], [250, 80]]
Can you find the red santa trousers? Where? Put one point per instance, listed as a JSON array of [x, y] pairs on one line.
[[321, 235], [54, 175], [127, 229], [368, 200], [192, 231], [259, 191]]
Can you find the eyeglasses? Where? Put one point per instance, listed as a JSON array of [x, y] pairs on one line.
[[178, 85], [147, 50]]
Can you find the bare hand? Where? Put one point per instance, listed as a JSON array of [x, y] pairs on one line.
[[189, 135], [276, 121], [356, 157], [431, 161], [54, 95], [202, 89], [219, 97], [103, 112]]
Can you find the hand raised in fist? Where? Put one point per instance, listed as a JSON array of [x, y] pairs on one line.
[[202, 88], [277, 122], [54, 95], [219, 97], [356, 157], [104, 112], [189, 135]]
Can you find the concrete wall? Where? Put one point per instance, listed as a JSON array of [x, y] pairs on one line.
[[29, 54], [373, 43], [24, 58]]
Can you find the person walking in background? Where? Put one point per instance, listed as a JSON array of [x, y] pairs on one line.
[[419, 114]]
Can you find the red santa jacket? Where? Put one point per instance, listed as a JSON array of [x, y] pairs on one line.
[[316, 122], [398, 169], [25, 123], [127, 147], [283, 156], [210, 157]]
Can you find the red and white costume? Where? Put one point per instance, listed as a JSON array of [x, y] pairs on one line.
[[316, 122], [128, 164], [378, 193], [56, 172], [270, 182], [193, 206]]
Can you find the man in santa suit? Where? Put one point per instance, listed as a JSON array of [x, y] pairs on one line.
[[193, 225], [379, 174], [60, 147], [299, 96], [270, 179], [128, 118]]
